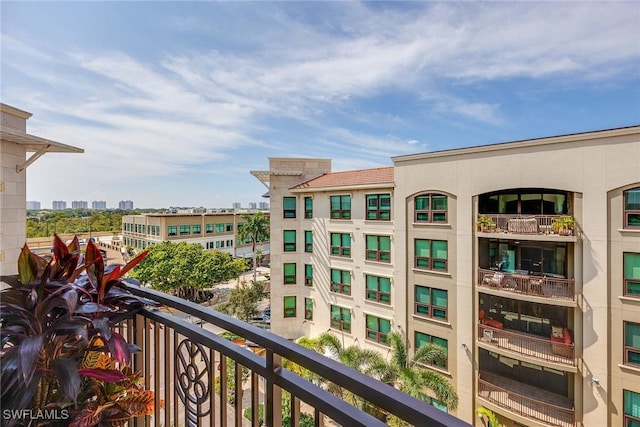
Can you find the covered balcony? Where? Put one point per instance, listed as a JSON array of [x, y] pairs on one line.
[[527, 345], [546, 408], [526, 211], [521, 283], [190, 367]]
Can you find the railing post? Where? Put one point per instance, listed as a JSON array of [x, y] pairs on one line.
[[273, 417]]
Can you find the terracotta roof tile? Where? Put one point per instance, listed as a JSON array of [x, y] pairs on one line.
[[350, 178]]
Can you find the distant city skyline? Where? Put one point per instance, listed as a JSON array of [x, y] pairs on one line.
[[179, 104]]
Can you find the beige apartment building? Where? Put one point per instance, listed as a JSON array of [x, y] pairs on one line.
[[213, 230], [522, 259], [15, 144]]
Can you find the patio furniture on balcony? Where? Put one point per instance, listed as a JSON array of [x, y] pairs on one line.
[[186, 364], [547, 286], [561, 339], [529, 345], [522, 225]]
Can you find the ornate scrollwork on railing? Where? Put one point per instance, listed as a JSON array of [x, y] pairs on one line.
[[192, 378]]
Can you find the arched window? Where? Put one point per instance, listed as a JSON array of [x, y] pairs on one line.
[[632, 208], [431, 207]]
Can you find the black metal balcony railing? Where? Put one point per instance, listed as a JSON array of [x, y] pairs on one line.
[[528, 345], [539, 286], [178, 361], [501, 392]]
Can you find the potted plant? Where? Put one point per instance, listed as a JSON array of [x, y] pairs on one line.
[[485, 223], [563, 225], [59, 349]]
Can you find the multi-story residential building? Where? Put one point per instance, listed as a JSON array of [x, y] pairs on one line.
[[522, 259], [33, 205], [125, 205], [214, 231], [99, 205], [79, 204], [237, 205], [263, 206], [253, 205], [58, 205], [15, 143]]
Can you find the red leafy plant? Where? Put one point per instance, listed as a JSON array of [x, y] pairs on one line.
[[60, 350]]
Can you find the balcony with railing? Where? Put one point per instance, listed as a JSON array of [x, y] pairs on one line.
[[552, 225], [546, 408], [527, 345], [189, 366], [556, 288]]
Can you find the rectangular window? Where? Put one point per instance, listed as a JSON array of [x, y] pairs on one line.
[[341, 244], [631, 403], [308, 207], [308, 309], [632, 343], [208, 228], [195, 229], [288, 207], [308, 241], [431, 208], [229, 226], [289, 306], [378, 289], [341, 281], [219, 228], [430, 254], [422, 339], [289, 237], [632, 208], [631, 263], [172, 230], [379, 248], [341, 318], [431, 302], [289, 273], [340, 207], [229, 243], [308, 275], [377, 329], [379, 207], [185, 229]]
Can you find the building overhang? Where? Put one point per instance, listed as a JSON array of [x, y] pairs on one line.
[[39, 146]]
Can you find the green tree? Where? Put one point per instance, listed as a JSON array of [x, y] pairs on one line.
[[243, 301], [255, 229], [186, 268], [407, 374]]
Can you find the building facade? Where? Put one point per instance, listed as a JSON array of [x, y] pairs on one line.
[[58, 205], [33, 205], [99, 205], [125, 205], [79, 204], [15, 144], [521, 259], [214, 231]]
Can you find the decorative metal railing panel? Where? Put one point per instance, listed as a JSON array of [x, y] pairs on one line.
[[522, 224], [187, 366]]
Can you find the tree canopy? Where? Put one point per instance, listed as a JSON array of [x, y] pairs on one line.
[[256, 229], [243, 301], [183, 268]]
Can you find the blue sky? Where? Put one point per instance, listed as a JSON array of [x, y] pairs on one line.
[[175, 102]]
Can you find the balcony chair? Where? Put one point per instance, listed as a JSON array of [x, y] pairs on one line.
[[489, 322], [560, 335]]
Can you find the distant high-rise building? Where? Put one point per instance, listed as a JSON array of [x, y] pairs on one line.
[[252, 205], [263, 206], [236, 205], [79, 204], [58, 205], [98, 204], [33, 205], [125, 205]]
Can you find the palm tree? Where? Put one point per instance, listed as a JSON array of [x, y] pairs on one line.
[[414, 380], [255, 228]]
